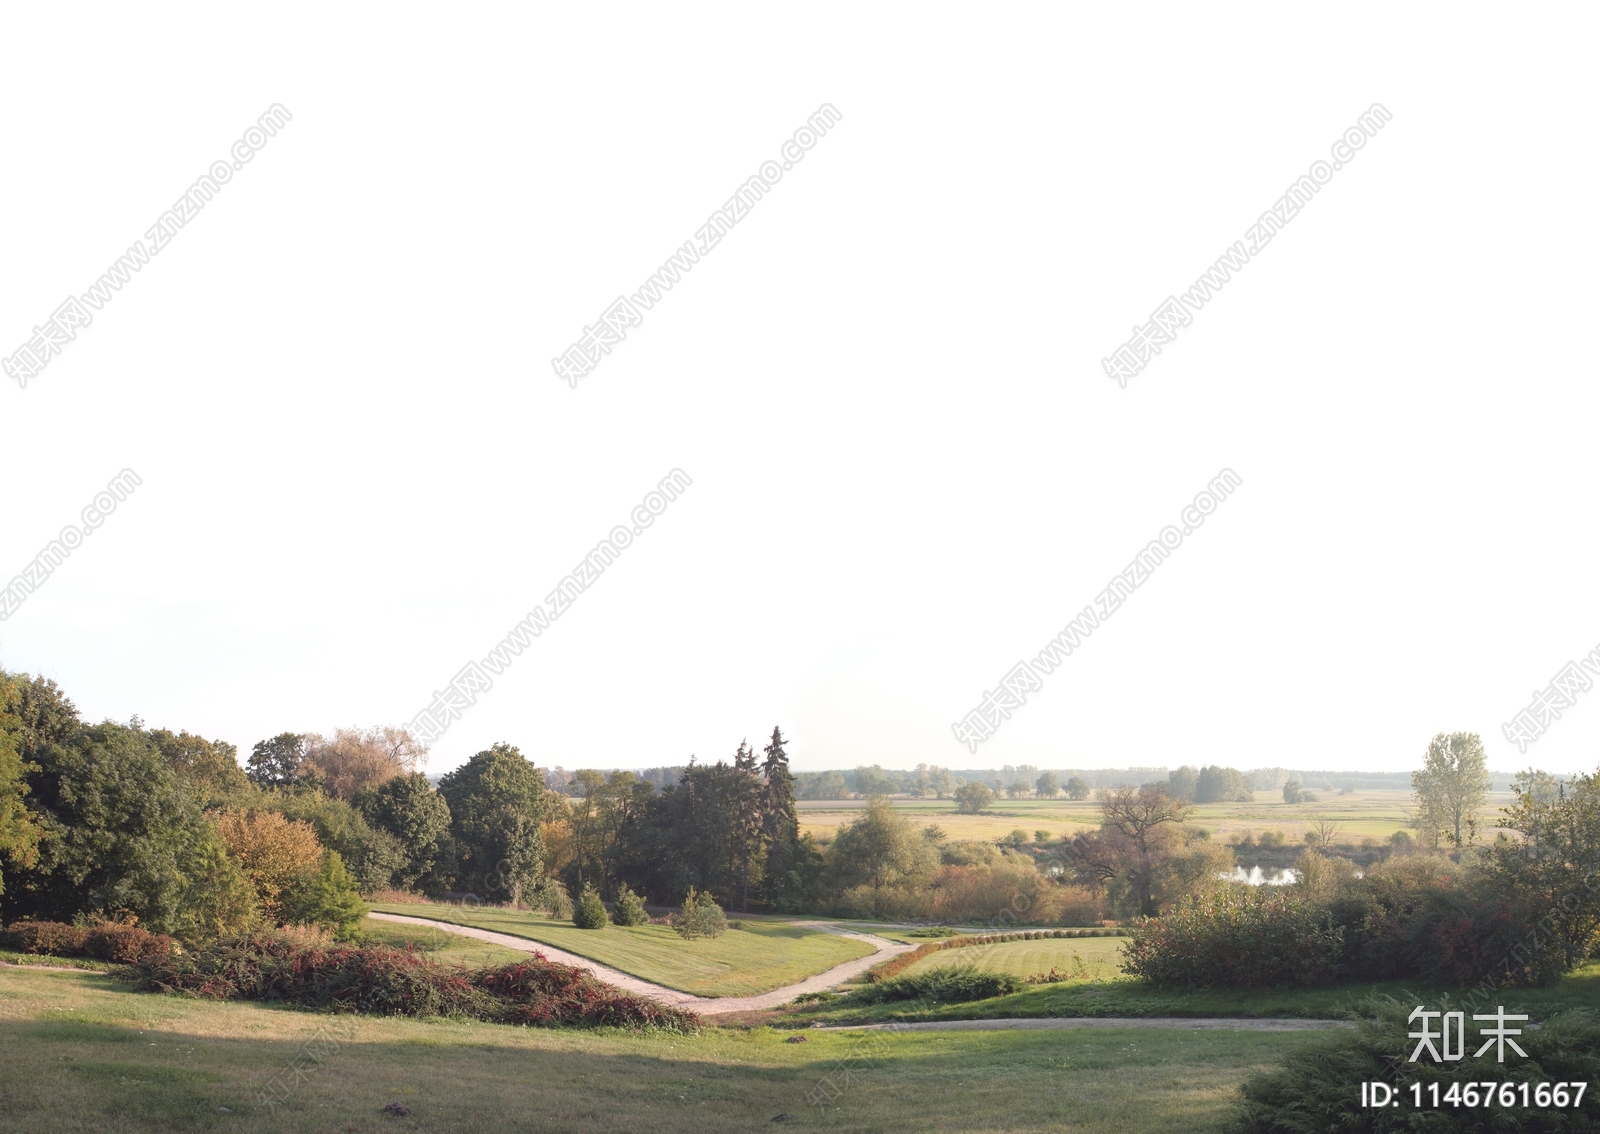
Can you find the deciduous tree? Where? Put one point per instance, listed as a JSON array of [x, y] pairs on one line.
[[1451, 787]]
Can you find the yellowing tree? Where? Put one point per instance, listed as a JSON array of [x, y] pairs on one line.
[[277, 855], [352, 758]]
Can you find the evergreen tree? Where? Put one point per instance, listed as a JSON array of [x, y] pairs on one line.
[[629, 909], [779, 821], [591, 911], [496, 802]]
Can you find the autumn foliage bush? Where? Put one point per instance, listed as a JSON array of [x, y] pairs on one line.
[[1238, 939], [383, 980], [124, 944]]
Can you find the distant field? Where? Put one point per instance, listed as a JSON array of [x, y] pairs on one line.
[[742, 962], [84, 1055], [1361, 814], [1101, 957]]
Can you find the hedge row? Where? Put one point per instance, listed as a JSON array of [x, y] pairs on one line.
[[383, 980], [941, 985], [125, 944], [894, 966]]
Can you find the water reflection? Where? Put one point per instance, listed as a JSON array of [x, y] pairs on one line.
[[1257, 877]]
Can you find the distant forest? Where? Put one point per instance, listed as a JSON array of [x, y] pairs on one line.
[[932, 781]]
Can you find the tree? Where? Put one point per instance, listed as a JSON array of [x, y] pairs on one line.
[[496, 804], [407, 808], [701, 917], [1046, 786], [780, 823], [372, 855], [629, 910], [280, 761], [122, 832], [1216, 784], [972, 797], [873, 781], [881, 849], [211, 767], [1183, 783], [822, 785], [1077, 789], [591, 911], [1292, 792], [1325, 831], [1451, 787], [279, 856], [329, 898], [19, 830], [356, 758], [1134, 843]]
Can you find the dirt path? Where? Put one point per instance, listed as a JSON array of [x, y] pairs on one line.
[[705, 1005], [1190, 1023]]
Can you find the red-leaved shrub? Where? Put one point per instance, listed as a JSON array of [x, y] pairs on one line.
[[48, 938], [383, 980]]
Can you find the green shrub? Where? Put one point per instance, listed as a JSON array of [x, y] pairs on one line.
[[701, 917], [944, 985], [591, 911], [552, 897], [629, 910], [1317, 1087], [1238, 940], [330, 899]]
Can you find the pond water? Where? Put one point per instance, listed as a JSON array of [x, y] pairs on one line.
[[1255, 876]]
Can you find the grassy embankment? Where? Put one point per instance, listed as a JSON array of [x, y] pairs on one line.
[[766, 954], [83, 1054], [1125, 996]]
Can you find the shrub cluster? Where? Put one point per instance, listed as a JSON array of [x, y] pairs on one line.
[[382, 980], [947, 985], [1238, 939], [1313, 1089], [124, 944], [591, 911], [701, 917]]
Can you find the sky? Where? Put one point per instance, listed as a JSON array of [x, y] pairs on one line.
[[908, 468]]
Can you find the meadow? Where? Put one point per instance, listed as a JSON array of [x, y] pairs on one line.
[[768, 953], [83, 1054], [1359, 815]]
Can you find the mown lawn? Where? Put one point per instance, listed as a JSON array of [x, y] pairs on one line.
[[450, 948], [742, 962], [1125, 996], [1101, 957], [83, 1054]]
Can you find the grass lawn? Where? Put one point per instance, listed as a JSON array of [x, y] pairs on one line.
[[450, 948], [767, 954], [83, 1055], [1125, 996], [1101, 957]]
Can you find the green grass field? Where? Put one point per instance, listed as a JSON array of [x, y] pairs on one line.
[[768, 954], [85, 1056], [1125, 996], [451, 948], [1101, 957]]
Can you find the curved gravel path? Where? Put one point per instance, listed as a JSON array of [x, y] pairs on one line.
[[705, 1005]]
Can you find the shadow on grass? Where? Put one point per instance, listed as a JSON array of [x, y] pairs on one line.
[[71, 1077]]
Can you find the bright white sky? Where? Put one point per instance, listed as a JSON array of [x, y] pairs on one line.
[[909, 468]]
